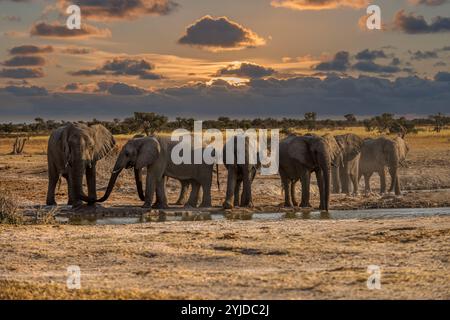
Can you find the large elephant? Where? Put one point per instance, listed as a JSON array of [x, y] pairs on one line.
[[73, 150], [154, 154], [376, 155], [299, 157], [239, 175], [346, 173]]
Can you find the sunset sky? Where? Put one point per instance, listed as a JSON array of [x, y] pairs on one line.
[[207, 58]]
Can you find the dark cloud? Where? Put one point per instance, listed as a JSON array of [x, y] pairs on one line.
[[55, 30], [30, 49], [24, 91], [123, 67], [269, 97], [340, 62], [370, 54], [218, 34], [442, 76], [429, 2], [440, 64], [123, 89], [424, 55], [77, 50], [246, 70], [412, 24], [72, 86], [21, 73], [395, 62], [319, 4], [104, 10], [370, 66], [20, 61]]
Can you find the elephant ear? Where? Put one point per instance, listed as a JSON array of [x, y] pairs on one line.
[[64, 138], [103, 141], [148, 152], [299, 150]]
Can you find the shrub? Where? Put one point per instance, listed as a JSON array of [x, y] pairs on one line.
[[9, 210]]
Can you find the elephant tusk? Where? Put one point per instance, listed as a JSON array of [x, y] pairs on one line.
[[116, 171]]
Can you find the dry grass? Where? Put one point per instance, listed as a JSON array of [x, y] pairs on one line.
[[10, 212]]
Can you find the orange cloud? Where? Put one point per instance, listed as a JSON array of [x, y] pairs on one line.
[[56, 30], [319, 4]]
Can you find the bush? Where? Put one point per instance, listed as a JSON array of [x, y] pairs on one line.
[[9, 210]]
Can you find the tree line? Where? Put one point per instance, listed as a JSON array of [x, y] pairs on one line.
[[148, 123]]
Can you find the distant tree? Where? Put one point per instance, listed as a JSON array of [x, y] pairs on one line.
[[350, 118], [310, 119], [438, 122], [149, 122]]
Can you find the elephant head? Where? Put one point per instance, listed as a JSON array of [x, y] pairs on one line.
[[83, 146], [137, 153], [350, 144], [336, 150]]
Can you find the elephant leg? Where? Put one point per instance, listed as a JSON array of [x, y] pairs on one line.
[[367, 182], [287, 183], [395, 183], [238, 197], [294, 193], [353, 173], [231, 185], [382, 175], [247, 189], [306, 182], [345, 181], [320, 184], [150, 188], [336, 173], [53, 178], [91, 184], [183, 192], [161, 197], [193, 198], [206, 197]]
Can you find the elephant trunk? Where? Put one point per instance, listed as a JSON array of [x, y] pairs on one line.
[[112, 181], [218, 177], [325, 167], [138, 178]]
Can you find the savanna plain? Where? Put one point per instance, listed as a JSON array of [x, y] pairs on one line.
[[231, 258]]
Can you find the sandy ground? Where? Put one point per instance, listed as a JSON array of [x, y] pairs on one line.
[[287, 259], [298, 259]]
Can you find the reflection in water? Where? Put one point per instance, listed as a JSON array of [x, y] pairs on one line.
[[234, 216]]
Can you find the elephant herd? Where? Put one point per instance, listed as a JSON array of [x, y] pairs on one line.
[[337, 161]]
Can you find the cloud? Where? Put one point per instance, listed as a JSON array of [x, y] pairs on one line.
[[340, 62], [440, 64], [319, 4], [220, 34], [123, 67], [11, 18], [55, 30], [372, 67], [412, 24], [20, 61], [103, 10], [121, 89], [246, 70], [260, 98], [21, 73], [370, 54], [428, 2], [442, 76], [424, 55], [77, 50], [30, 49], [24, 91]]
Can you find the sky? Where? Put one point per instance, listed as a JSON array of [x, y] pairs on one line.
[[210, 58]]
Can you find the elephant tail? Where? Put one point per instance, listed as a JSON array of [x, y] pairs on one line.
[[217, 176]]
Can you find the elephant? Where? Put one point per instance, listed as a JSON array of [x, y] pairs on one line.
[[154, 153], [346, 172], [299, 157], [73, 150], [376, 154], [239, 175]]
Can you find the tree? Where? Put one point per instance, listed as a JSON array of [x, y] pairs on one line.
[[438, 122], [351, 119], [310, 119], [149, 122]]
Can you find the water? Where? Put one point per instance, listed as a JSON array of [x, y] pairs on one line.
[[372, 214]]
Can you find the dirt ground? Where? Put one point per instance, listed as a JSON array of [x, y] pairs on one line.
[[288, 259]]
